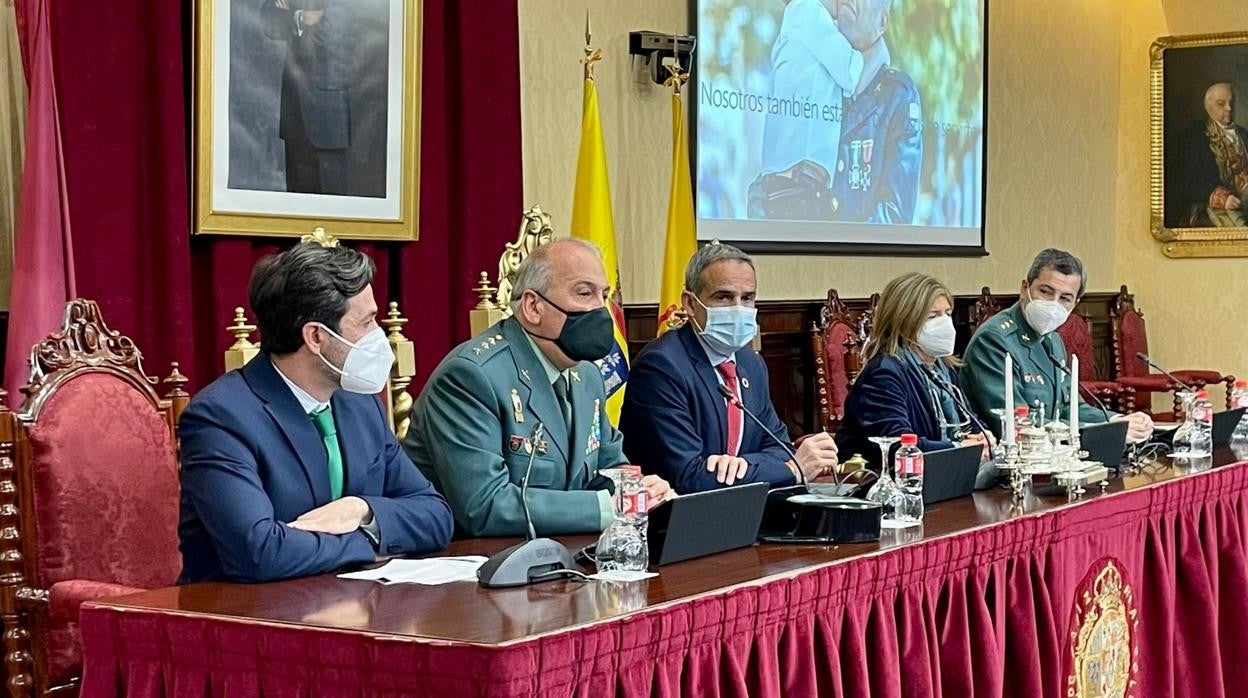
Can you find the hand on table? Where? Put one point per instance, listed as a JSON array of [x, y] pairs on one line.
[[338, 517], [979, 439], [657, 490], [727, 469], [817, 455], [1139, 426]]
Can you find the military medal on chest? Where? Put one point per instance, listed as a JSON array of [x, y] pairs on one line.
[[595, 430]]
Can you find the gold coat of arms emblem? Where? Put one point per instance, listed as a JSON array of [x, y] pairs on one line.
[[1103, 649]]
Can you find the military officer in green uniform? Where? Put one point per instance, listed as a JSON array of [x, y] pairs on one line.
[[1026, 330], [526, 388]]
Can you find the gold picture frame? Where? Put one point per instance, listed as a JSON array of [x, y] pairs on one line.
[[1186, 156], [327, 95]]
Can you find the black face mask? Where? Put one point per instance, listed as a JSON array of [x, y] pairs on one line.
[[587, 335]]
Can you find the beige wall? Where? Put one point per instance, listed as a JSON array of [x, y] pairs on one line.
[[1195, 308], [1053, 92], [1067, 159]]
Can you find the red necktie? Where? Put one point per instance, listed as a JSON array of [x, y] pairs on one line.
[[736, 418]]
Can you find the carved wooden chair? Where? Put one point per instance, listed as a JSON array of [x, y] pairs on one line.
[[836, 348], [88, 493], [866, 318], [985, 307], [1131, 337], [1076, 334], [494, 301]]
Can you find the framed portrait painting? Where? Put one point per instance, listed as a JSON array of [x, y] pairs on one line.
[[307, 115], [1199, 183]]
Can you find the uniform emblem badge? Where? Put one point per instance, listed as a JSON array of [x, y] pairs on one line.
[[516, 406], [517, 442]]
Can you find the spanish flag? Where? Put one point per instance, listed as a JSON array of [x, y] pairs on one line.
[[681, 233], [591, 221]]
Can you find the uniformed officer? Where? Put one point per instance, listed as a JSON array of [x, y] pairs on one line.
[[877, 173], [476, 424], [1026, 330]]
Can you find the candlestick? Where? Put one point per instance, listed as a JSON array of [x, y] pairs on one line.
[[1074, 400], [1007, 417]]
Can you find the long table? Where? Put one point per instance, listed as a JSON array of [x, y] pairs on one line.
[[1141, 590]]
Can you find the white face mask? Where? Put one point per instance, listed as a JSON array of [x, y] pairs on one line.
[[368, 362], [728, 328], [1044, 316], [937, 336]]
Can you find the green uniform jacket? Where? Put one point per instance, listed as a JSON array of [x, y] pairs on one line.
[[1036, 375], [471, 435]]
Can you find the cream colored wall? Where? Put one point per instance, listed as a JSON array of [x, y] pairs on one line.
[[1052, 157], [1195, 308]]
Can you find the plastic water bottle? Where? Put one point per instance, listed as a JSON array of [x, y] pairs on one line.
[[1022, 421], [624, 546], [910, 474], [1201, 438], [1239, 398]]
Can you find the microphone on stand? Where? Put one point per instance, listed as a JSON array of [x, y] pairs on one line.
[[1083, 389], [732, 397], [1144, 357], [535, 559], [958, 398]]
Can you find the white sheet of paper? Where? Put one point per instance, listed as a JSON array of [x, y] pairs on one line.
[[430, 571]]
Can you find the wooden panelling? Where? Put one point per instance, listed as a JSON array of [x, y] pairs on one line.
[[786, 328]]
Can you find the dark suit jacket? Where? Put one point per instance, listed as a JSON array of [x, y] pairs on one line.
[[674, 417], [252, 461], [889, 398], [334, 78]]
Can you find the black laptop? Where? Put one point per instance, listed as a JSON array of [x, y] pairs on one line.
[[703, 523], [950, 473], [1224, 424], [1105, 443]]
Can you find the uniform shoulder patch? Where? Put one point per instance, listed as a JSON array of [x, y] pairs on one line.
[[480, 348]]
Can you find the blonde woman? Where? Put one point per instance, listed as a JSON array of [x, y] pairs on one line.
[[909, 384]]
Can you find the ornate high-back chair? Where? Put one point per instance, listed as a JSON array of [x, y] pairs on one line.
[[1076, 334], [88, 493], [835, 343], [494, 301], [985, 307], [866, 318], [1130, 338]]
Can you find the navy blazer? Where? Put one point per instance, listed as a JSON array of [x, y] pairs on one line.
[[253, 461], [890, 398], [674, 417]]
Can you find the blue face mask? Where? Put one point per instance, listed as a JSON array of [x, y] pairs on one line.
[[728, 328]]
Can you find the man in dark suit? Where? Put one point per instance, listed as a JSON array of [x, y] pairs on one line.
[[678, 425], [334, 89], [283, 473]]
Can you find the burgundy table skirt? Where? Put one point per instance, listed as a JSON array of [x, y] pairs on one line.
[[1143, 593]]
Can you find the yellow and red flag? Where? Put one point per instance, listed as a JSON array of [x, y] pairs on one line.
[[681, 231], [592, 221]]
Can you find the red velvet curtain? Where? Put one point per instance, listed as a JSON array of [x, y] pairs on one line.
[[995, 611], [122, 71]]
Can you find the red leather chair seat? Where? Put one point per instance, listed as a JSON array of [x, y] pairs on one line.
[[63, 635]]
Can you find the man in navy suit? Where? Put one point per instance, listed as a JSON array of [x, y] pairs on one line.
[[676, 422], [283, 473]]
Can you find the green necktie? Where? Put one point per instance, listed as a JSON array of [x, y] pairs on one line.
[[324, 421], [562, 394]]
